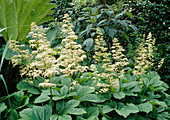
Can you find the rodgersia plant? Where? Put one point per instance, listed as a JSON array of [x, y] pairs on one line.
[[71, 53], [39, 61], [144, 56], [113, 68]]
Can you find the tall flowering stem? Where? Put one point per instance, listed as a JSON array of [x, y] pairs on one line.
[[71, 53], [144, 56]]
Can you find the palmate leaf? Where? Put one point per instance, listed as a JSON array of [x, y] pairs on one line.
[[37, 112], [17, 15], [145, 107], [12, 115], [42, 98], [70, 108], [126, 110]]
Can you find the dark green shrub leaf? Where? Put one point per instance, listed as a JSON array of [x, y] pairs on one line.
[[112, 32], [129, 14], [93, 118], [157, 102], [163, 116], [51, 34], [60, 106], [70, 108], [88, 43], [93, 19]]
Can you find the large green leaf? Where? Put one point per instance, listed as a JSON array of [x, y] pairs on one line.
[[64, 90], [17, 15], [83, 90], [19, 100], [91, 112], [90, 98], [106, 109], [42, 98], [26, 86], [128, 109], [12, 115], [70, 108], [65, 117], [37, 112], [119, 95], [75, 111], [145, 107], [66, 81]]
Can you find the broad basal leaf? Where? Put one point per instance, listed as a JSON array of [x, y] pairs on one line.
[[64, 90], [42, 98], [70, 108], [12, 115], [92, 111], [128, 109], [75, 111], [145, 107], [106, 109], [66, 81], [83, 90], [65, 117], [37, 112], [119, 95], [90, 98], [26, 86]]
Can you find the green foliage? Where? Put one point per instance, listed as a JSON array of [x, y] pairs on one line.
[[63, 6], [36, 113], [17, 15], [98, 93], [108, 18], [137, 96]]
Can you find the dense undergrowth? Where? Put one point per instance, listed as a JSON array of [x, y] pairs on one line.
[[97, 60]]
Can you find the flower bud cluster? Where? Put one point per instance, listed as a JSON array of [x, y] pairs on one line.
[[47, 84]]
